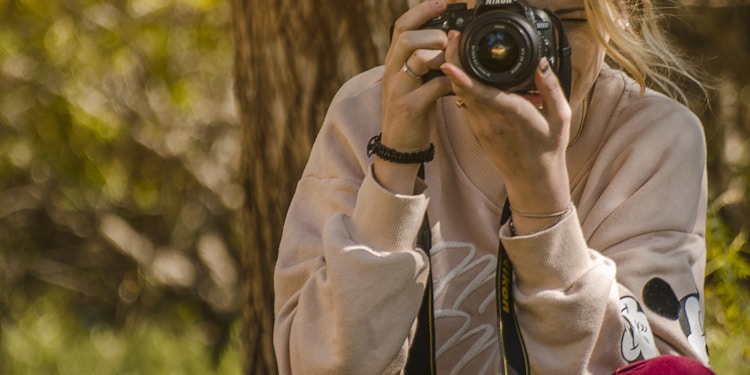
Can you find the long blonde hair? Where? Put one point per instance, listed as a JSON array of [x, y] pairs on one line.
[[639, 46]]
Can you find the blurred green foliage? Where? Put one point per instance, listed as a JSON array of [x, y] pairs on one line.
[[119, 191], [727, 297], [715, 34], [51, 336]]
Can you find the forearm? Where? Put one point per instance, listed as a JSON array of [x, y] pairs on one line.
[[396, 178], [581, 311], [355, 315], [356, 304]]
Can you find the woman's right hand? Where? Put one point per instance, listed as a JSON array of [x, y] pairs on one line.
[[407, 99]]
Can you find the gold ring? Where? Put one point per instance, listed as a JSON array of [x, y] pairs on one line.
[[406, 69], [460, 103]]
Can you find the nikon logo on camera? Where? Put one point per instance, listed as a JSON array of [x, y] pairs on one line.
[[498, 2]]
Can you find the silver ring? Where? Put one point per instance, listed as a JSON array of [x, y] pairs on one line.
[[406, 69]]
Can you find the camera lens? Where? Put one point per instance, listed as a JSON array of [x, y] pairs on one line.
[[500, 48], [497, 51]]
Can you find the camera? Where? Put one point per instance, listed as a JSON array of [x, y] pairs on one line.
[[503, 40]]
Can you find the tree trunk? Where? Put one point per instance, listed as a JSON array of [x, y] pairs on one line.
[[291, 57]]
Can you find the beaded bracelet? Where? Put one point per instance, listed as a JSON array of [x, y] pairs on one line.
[[389, 154]]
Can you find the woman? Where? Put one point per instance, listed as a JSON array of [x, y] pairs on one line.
[[605, 235]]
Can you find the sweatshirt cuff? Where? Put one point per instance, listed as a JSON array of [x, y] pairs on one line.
[[551, 259], [385, 221]]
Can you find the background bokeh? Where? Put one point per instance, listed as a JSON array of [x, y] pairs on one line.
[[121, 194], [119, 191]]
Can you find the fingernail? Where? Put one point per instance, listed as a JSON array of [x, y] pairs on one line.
[[443, 68], [438, 3], [446, 71], [543, 65]]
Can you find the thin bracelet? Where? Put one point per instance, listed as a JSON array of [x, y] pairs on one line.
[[558, 216], [544, 216]]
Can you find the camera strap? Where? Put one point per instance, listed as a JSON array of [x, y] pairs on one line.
[[421, 359], [566, 67], [510, 339]]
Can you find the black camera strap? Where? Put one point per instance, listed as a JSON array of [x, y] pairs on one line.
[[510, 339], [566, 67], [421, 360], [515, 360]]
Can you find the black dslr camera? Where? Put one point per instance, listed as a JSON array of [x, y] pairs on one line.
[[503, 40]]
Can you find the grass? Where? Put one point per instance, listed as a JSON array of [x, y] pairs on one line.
[[45, 338]]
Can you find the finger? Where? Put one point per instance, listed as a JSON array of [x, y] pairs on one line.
[[451, 57], [407, 36], [476, 92], [426, 95], [409, 42], [417, 16], [424, 60], [451, 49], [452, 69], [459, 79], [556, 107]]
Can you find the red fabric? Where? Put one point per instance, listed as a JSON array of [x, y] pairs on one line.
[[665, 365]]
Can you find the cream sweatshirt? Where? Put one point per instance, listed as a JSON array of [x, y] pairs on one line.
[[619, 279]]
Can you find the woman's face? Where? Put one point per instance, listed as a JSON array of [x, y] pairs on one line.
[[587, 54]]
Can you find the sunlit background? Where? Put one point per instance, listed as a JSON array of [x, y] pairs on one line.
[[120, 194], [119, 191]]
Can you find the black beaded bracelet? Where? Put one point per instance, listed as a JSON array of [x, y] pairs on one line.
[[389, 154]]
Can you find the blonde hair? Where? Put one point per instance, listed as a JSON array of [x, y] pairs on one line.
[[639, 46]]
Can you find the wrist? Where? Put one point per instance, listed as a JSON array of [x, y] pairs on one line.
[[381, 151], [396, 170], [394, 177], [546, 193], [526, 223]]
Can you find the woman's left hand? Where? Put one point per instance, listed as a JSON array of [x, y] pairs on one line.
[[525, 143]]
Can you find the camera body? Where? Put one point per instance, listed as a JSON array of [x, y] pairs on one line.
[[503, 40]]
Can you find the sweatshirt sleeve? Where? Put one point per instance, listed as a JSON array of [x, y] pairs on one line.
[[348, 279], [620, 278]]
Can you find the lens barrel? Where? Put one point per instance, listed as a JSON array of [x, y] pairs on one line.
[[500, 48]]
